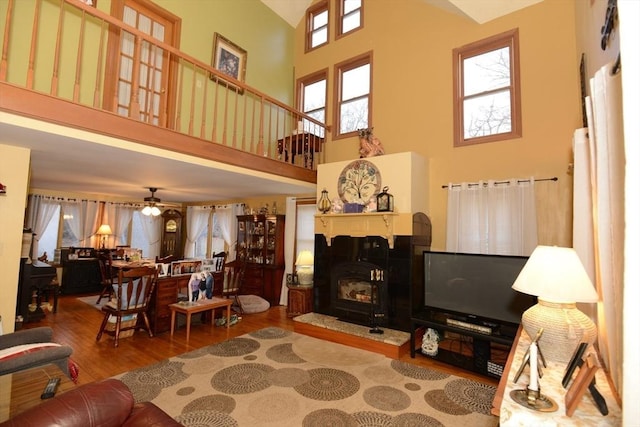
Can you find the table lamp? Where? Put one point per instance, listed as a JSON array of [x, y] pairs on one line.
[[304, 268], [557, 277], [104, 231]]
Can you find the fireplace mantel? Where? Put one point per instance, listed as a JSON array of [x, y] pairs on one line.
[[383, 224]]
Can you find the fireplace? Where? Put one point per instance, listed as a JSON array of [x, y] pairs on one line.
[[360, 289], [346, 282]]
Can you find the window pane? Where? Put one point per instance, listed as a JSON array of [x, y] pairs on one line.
[[49, 239], [68, 237], [304, 228], [355, 82], [350, 5], [318, 37], [487, 115], [354, 115], [201, 244], [321, 19], [488, 71], [350, 22], [315, 96]]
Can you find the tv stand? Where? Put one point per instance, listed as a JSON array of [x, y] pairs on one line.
[[487, 348]]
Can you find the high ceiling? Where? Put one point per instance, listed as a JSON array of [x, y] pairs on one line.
[[72, 161]]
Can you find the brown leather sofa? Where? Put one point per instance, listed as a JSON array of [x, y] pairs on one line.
[[103, 403]]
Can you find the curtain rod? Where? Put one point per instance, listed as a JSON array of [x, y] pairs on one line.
[[555, 178]]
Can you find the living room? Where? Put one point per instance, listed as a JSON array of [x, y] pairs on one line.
[[420, 125]]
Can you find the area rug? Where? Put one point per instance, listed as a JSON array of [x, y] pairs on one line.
[[91, 300], [275, 377]]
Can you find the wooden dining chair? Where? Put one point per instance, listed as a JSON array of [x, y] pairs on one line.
[[217, 272], [129, 309], [107, 279], [232, 282]]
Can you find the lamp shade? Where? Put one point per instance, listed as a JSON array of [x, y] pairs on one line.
[[304, 258], [104, 230], [556, 274]]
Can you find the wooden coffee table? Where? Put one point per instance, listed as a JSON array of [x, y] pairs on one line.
[[190, 308], [21, 390]]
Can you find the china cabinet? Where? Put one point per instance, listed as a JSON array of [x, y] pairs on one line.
[[261, 247]]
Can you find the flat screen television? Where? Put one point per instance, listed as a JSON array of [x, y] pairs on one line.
[[475, 286]]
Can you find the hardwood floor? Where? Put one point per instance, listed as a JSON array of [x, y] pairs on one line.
[[76, 324]]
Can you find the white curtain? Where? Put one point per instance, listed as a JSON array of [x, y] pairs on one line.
[[151, 227], [197, 221], [71, 213], [228, 221], [289, 243], [605, 202], [492, 217], [41, 210]]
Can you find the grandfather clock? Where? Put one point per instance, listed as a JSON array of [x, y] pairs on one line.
[[171, 243]]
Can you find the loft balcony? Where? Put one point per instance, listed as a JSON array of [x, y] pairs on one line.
[[70, 66]]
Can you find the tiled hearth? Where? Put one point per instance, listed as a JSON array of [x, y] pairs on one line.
[[390, 343]]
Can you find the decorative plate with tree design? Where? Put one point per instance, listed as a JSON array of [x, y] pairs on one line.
[[359, 181]]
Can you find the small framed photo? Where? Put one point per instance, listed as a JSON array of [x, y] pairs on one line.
[[229, 59]]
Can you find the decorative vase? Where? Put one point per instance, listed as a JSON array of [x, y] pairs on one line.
[[324, 204]]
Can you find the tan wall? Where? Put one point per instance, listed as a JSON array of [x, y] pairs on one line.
[[412, 90], [14, 168]]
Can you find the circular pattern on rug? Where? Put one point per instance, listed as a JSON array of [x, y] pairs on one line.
[[185, 391], [242, 378], [329, 417], [414, 419], [386, 398], [439, 401], [288, 377], [417, 372], [250, 357], [283, 353], [472, 395], [234, 347], [412, 386], [270, 333], [370, 418], [146, 383], [213, 402], [273, 407], [328, 384], [206, 418]]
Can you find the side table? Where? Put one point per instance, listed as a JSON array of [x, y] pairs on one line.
[[300, 300], [514, 414]]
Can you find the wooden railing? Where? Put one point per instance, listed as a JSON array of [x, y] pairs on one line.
[[67, 53]]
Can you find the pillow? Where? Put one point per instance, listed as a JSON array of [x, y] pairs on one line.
[[20, 350], [253, 304]]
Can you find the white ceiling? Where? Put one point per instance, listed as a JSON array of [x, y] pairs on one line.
[[480, 11]]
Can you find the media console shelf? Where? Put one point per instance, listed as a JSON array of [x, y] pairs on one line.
[[488, 353]]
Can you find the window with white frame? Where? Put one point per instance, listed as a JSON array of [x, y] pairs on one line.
[[487, 90], [317, 30], [353, 95], [305, 237], [349, 16]]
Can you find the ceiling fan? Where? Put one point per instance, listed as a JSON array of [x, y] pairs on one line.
[[151, 204]]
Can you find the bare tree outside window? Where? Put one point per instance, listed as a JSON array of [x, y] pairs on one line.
[[487, 105]]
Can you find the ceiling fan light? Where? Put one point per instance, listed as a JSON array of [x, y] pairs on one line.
[[155, 211], [147, 210]]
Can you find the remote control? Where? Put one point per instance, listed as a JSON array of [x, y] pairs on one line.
[[50, 389]]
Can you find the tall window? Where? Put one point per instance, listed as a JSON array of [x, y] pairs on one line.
[[317, 26], [305, 237], [349, 16], [487, 90], [312, 99], [353, 95]]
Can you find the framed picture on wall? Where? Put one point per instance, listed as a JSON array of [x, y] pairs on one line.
[[229, 59]]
